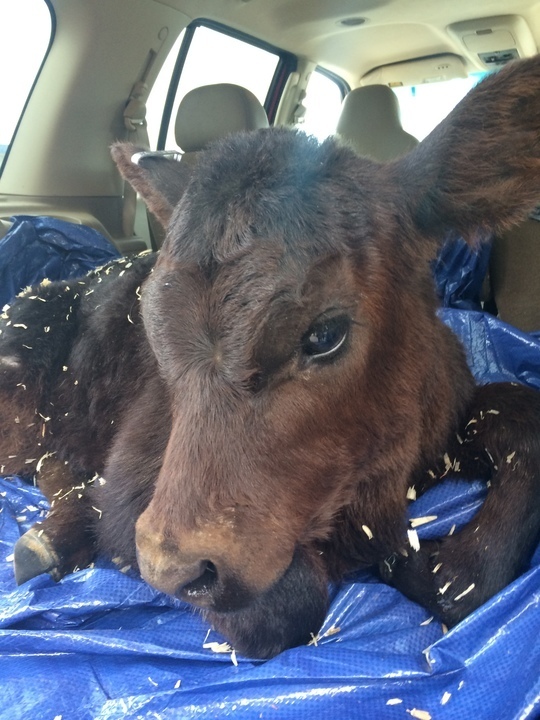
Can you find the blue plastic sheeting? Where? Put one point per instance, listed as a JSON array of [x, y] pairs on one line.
[[43, 247], [103, 645], [459, 273], [496, 351]]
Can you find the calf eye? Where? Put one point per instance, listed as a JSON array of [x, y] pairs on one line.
[[326, 337]]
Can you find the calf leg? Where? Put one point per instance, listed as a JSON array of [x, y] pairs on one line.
[[64, 541], [454, 575]]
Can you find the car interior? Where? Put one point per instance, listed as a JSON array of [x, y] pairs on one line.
[[173, 76], [127, 69]]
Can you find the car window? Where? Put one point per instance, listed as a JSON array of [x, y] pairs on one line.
[[26, 34], [422, 107], [212, 57], [324, 95]]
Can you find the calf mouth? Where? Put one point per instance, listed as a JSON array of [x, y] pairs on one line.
[[258, 625], [290, 613]]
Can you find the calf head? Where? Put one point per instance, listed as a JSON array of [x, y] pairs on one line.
[[292, 316]]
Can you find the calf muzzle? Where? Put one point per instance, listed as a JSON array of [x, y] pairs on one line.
[[210, 567]]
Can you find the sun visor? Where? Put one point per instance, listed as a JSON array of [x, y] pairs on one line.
[[435, 68]]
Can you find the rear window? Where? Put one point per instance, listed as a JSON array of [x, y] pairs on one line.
[[26, 34], [422, 107], [212, 57]]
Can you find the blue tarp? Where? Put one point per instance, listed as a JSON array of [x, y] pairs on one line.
[[102, 644], [43, 247], [459, 273]]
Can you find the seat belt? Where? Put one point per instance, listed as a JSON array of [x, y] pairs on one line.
[[137, 133]]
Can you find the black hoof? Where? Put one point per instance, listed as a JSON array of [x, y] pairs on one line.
[[34, 555]]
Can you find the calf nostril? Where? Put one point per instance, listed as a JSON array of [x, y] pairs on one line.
[[199, 590]]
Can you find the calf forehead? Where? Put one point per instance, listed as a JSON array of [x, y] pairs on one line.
[[273, 186]]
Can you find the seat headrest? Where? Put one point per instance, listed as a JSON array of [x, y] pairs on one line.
[[210, 112], [370, 122]]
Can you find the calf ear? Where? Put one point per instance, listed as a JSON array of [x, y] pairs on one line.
[[158, 178], [479, 170]]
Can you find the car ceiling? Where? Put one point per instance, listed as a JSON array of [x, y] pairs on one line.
[[394, 30]]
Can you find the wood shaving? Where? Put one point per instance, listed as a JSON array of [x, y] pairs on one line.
[[411, 493], [419, 714], [465, 592], [510, 457], [428, 621], [445, 698], [416, 522], [445, 587], [42, 459], [437, 567], [334, 630], [368, 532], [217, 647], [414, 542], [394, 701]]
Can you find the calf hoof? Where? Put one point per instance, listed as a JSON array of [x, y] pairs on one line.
[[33, 555]]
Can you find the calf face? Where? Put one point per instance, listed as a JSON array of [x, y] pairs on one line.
[[293, 321]]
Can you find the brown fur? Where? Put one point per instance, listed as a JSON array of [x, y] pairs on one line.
[[241, 463]]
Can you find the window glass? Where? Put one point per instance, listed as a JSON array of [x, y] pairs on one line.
[[213, 57], [26, 33], [322, 106], [158, 94], [424, 106]]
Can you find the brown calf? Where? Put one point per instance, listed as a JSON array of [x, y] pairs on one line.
[[243, 418]]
